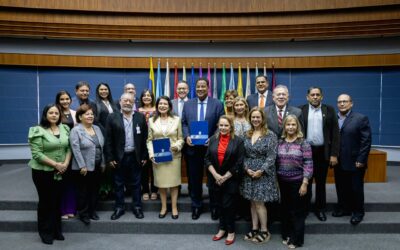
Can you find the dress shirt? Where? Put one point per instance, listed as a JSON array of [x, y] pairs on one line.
[[315, 133], [342, 118], [129, 143], [199, 107], [181, 102]]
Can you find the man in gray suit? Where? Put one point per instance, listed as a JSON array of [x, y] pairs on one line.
[[263, 97], [277, 112], [177, 104]]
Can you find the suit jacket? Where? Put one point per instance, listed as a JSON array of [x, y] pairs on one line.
[[215, 109], [330, 129], [233, 162], [84, 148], [115, 134], [272, 118], [355, 141], [175, 107], [173, 132], [252, 100], [102, 112]]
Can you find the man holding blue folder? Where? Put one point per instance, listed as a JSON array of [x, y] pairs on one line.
[[196, 113]]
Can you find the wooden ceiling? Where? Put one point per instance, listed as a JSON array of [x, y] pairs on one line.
[[199, 20]]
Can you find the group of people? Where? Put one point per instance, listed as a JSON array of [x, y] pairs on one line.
[[260, 153]]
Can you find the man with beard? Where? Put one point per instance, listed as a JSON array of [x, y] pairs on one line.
[[126, 152]]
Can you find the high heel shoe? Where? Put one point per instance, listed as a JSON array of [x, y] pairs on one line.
[[174, 216], [216, 237], [230, 242], [162, 216]]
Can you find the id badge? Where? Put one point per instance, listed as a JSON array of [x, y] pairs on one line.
[[138, 130]]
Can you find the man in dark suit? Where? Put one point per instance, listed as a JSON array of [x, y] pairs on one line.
[[82, 91], [126, 152], [355, 144], [211, 109], [322, 132], [277, 112], [177, 104], [263, 97]]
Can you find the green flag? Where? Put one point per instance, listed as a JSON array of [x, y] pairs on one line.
[[223, 88]]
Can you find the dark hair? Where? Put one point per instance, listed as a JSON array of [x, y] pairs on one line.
[[314, 87], [262, 75], [82, 83], [169, 113], [81, 110], [58, 96], [43, 120], [109, 97], [203, 79], [152, 97]]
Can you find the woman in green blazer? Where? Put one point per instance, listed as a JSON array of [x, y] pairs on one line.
[[51, 155]]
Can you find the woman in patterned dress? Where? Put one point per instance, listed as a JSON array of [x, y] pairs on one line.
[[148, 108], [259, 183]]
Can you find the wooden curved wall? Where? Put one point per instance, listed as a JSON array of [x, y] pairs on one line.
[[185, 20]]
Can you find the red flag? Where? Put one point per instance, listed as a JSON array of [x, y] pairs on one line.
[[273, 82], [176, 82]]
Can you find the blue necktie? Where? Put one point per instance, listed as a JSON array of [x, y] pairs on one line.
[[201, 111]]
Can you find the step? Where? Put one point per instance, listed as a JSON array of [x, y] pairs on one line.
[[25, 221]]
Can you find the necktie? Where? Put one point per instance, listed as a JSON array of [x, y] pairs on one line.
[[280, 117], [201, 111], [262, 101]]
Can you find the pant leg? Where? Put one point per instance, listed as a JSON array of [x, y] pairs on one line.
[[120, 177], [285, 216], [82, 193], [93, 190], [343, 187], [357, 197], [319, 175], [228, 210], [195, 177], [135, 174], [145, 177]]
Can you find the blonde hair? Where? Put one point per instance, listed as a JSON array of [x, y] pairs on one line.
[[299, 134], [264, 127], [246, 111]]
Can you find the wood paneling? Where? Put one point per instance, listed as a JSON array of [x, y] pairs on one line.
[[194, 6], [143, 62], [376, 171]]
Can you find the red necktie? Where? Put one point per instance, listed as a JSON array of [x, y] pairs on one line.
[[280, 117]]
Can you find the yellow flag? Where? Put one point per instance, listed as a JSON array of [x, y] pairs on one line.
[[240, 84]]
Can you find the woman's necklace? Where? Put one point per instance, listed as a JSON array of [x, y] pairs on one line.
[[90, 130], [55, 131]]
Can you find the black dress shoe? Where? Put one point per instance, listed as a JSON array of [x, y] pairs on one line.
[[196, 213], [47, 240], [59, 236], [162, 216], [320, 215], [175, 217], [340, 213], [355, 219], [117, 213], [214, 214], [85, 220], [94, 216], [138, 213]]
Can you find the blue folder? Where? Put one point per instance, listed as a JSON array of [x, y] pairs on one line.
[[199, 132], [161, 148]]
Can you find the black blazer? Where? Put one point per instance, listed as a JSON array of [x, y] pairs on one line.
[[233, 162], [355, 141], [330, 129], [115, 142], [102, 112]]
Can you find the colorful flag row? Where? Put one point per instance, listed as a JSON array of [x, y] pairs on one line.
[[159, 90]]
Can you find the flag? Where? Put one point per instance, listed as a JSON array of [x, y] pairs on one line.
[[159, 91], [176, 81], [240, 84], [200, 71], [248, 88], [256, 72], [223, 88], [265, 70], [232, 80], [273, 81], [192, 84], [151, 77], [215, 91], [209, 80], [184, 73], [167, 90]]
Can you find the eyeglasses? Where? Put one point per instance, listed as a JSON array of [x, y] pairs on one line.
[[344, 102]]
